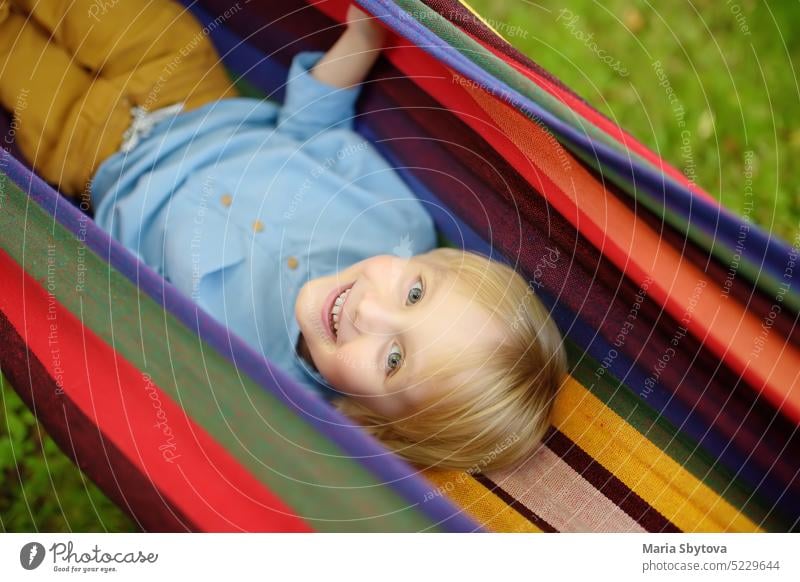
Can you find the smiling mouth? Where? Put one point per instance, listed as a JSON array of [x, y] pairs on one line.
[[337, 310]]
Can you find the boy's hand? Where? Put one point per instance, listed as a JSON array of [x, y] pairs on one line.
[[349, 60], [367, 26]]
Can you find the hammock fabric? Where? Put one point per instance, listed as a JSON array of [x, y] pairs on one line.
[[682, 407]]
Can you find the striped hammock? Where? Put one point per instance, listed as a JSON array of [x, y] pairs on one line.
[[683, 402]]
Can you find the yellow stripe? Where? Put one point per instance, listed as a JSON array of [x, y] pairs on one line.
[[479, 17], [642, 466], [485, 507]]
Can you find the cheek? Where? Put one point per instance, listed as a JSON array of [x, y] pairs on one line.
[[307, 312], [344, 369], [352, 372], [302, 307]]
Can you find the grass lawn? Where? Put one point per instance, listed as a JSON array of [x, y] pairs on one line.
[[731, 67], [40, 489]]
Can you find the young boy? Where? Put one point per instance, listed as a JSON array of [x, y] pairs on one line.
[[283, 223]]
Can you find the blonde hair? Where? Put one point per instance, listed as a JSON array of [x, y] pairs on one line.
[[502, 410]]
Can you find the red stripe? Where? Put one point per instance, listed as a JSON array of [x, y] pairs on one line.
[[207, 485], [79, 439]]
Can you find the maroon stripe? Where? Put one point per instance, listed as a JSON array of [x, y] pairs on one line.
[[81, 440], [609, 485], [518, 506]]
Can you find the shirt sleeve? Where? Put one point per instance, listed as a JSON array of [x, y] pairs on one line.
[[312, 106]]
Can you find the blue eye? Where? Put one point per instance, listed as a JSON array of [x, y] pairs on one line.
[[416, 292], [394, 360]]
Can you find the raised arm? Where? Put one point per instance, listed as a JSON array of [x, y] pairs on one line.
[[349, 60]]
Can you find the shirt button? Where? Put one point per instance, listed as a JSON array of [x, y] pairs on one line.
[[226, 200], [291, 262], [258, 226]]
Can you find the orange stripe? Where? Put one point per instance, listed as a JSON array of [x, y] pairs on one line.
[[486, 508], [638, 463], [642, 466]]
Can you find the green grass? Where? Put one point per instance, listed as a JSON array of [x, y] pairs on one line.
[[40, 488], [739, 93]]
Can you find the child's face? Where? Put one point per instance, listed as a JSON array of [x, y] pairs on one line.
[[398, 313]]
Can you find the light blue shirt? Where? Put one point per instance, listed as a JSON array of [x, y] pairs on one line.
[[238, 203]]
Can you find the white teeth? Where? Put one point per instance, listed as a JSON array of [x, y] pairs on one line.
[[337, 308]]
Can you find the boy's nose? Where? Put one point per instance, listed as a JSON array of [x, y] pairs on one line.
[[376, 316]]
